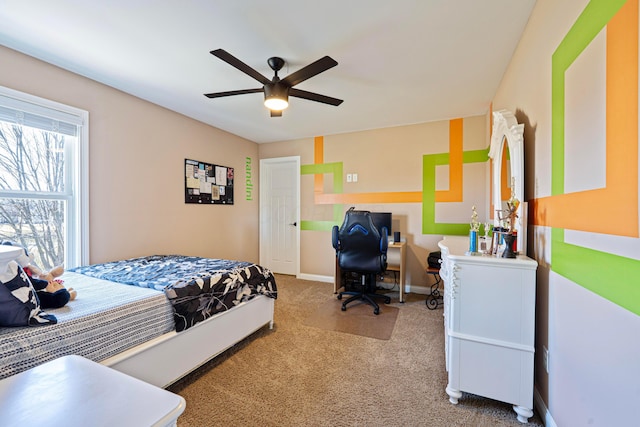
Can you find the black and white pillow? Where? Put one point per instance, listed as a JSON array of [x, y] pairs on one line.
[[19, 304]]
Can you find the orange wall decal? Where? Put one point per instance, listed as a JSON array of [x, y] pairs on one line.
[[613, 209]]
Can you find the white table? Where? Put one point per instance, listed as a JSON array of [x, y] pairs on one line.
[[73, 391]]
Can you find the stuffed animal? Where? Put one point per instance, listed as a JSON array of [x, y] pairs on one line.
[[50, 290]]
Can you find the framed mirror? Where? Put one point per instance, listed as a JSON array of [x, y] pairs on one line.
[[507, 138]]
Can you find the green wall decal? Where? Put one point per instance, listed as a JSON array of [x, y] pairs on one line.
[[429, 163], [335, 169], [587, 267]]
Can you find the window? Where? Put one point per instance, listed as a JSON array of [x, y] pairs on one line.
[[43, 178]]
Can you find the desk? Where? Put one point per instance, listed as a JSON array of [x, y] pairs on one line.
[[400, 248], [72, 391]]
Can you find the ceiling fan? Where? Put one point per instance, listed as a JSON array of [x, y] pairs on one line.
[[276, 91]]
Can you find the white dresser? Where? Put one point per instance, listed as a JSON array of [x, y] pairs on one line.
[[489, 325]]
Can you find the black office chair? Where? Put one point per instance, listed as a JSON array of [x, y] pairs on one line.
[[362, 249]]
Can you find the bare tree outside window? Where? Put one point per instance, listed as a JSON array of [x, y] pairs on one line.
[[32, 171]]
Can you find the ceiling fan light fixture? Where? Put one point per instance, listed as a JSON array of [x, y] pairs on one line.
[[276, 104], [276, 97]]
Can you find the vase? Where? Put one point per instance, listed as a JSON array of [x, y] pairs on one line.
[[509, 240], [473, 241]]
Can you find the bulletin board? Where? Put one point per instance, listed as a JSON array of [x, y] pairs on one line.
[[207, 183]]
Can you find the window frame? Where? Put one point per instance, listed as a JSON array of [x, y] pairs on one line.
[[76, 192]]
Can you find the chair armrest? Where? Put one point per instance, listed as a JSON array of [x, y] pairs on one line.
[[384, 240], [335, 240]]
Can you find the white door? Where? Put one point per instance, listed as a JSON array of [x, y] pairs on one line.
[[279, 214]]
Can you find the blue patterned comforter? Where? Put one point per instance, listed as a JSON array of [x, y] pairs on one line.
[[197, 287]]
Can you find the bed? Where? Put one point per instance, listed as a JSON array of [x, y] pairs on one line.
[[155, 318]]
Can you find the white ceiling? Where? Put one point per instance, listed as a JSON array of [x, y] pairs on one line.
[[399, 62]]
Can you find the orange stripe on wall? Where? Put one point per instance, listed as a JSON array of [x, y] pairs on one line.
[[454, 194], [318, 158], [346, 198], [622, 118], [614, 209]]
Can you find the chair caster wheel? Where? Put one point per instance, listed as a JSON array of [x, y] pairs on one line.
[[344, 308], [376, 311], [339, 296], [387, 301]]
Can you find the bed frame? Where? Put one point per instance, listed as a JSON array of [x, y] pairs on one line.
[[164, 360], [169, 357]]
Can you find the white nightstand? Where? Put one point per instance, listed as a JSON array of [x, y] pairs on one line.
[[73, 391]]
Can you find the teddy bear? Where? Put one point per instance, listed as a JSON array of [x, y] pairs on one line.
[[50, 290]]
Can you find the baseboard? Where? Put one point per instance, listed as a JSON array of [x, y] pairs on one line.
[[424, 290], [315, 277], [542, 409], [418, 290]]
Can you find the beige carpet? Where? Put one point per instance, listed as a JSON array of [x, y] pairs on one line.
[[358, 319], [298, 375]]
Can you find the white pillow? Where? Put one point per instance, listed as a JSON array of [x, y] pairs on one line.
[[19, 304]]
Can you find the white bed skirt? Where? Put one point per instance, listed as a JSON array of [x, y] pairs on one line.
[[165, 359]]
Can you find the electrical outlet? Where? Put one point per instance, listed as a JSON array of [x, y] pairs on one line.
[[355, 177], [545, 358]]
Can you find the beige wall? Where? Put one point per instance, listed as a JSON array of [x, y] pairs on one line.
[[136, 170], [386, 160]]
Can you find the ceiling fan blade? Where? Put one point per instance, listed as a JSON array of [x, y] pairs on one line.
[[235, 62], [314, 97], [322, 64], [232, 92], [276, 113]]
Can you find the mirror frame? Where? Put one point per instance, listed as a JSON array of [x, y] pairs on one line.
[[506, 127]]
